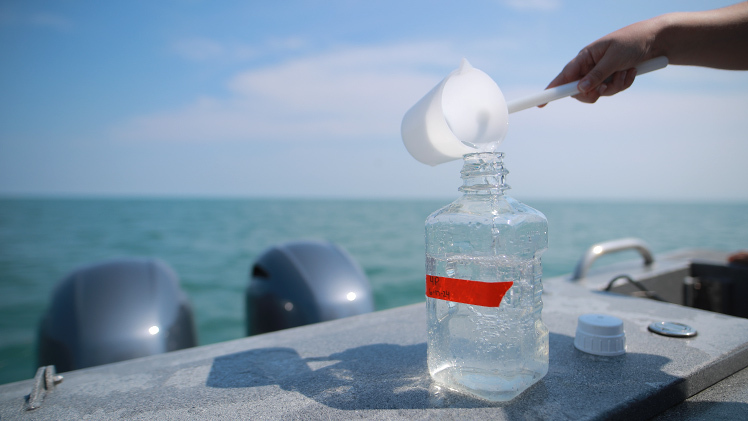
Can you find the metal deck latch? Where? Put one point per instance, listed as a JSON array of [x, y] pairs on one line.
[[672, 329], [45, 380]]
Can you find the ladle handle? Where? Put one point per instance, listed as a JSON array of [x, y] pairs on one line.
[[570, 88]]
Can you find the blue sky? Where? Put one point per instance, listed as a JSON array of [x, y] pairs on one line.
[[305, 99]]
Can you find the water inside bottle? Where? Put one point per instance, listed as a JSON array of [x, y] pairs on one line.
[[492, 352]]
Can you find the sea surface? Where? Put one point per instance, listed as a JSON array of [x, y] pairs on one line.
[[212, 243]]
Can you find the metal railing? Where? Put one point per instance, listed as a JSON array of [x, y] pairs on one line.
[[609, 247]]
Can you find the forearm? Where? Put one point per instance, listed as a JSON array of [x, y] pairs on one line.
[[714, 38]]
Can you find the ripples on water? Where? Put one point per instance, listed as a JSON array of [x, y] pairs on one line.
[[212, 244]]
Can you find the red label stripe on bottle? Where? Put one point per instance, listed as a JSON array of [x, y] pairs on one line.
[[486, 294]]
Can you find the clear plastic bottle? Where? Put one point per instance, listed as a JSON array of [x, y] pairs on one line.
[[483, 246]]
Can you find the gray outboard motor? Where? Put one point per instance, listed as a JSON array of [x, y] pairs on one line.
[[304, 282], [114, 311]]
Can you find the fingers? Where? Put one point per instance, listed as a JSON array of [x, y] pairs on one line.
[[588, 97], [585, 69], [630, 76], [619, 81], [573, 71], [597, 68], [599, 74], [578, 67]]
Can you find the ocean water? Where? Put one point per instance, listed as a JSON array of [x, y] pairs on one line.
[[212, 243]]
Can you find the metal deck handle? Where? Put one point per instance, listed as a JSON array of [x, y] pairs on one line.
[[608, 247]]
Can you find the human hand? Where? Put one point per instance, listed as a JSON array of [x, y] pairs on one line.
[[606, 66], [712, 38]]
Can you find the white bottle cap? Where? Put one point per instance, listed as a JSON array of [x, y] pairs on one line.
[[600, 334]]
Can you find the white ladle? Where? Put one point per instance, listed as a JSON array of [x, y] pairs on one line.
[[570, 89], [466, 113]]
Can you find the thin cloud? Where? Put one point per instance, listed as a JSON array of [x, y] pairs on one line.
[[40, 20], [349, 93], [199, 49], [643, 142], [534, 5], [206, 49], [50, 20]]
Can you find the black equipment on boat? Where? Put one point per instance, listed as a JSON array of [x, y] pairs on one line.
[[304, 282], [113, 311]]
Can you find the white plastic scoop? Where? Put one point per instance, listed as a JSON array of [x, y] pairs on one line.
[[463, 111], [466, 113], [570, 89]]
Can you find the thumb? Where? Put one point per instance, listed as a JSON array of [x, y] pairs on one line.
[[597, 75]]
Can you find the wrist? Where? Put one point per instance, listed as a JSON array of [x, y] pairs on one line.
[[664, 31]]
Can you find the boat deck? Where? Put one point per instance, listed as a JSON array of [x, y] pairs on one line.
[[373, 366]]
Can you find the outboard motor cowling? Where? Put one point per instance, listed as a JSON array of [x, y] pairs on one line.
[[115, 311], [304, 282]]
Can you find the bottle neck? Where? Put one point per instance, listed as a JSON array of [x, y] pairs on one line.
[[484, 173]]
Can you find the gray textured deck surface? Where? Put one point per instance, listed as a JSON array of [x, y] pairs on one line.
[[374, 367], [727, 400]]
